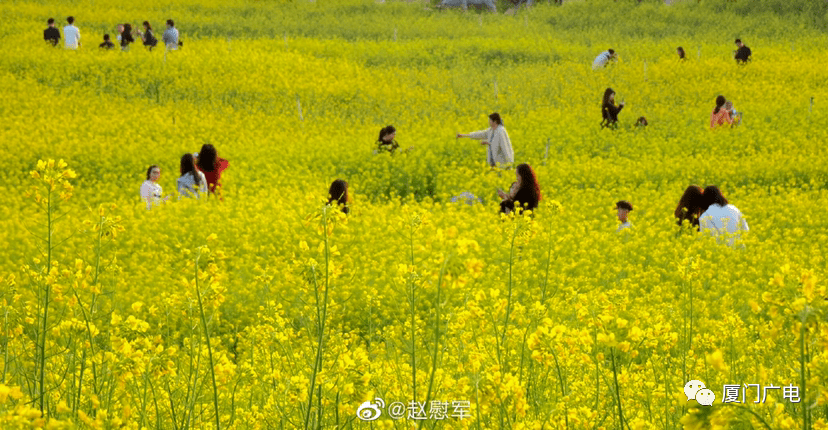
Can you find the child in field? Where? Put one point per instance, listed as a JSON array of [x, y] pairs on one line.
[[338, 195], [496, 139], [211, 165], [524, 194], [720, 115], [735, 115], [624, 208]]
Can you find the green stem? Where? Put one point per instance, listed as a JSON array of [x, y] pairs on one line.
[[617, 392], [42, 365], [317, 366], [436, 337], [209, 349], [803, 380]]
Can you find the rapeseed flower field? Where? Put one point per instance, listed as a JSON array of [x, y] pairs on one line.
[[268, 309]]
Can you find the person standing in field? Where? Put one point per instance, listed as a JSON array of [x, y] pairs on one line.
[[170, 37], [609, 111], [690, 206], [211, 165], [604, 58], [51, 34], [720, 217], [338, 196], [524, 194], [496, 139], [151, 191], [192, 182], [147, 37], [742, 54], [107, 44], [624, 208], [680, 51], [71, 34], [720, 115], [126, 37]]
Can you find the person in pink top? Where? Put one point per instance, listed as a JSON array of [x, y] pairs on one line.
[[720, 115]]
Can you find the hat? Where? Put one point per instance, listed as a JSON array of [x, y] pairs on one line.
[[623, 204]]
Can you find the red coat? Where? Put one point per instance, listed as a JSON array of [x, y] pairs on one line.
[[214, 176]]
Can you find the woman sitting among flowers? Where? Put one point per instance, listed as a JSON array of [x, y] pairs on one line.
[[524, 194]]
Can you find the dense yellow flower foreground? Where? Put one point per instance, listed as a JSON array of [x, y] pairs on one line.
[[268, 310]]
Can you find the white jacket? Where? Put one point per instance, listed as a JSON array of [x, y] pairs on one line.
[[499, 148]]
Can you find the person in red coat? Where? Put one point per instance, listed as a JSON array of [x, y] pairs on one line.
[[211, 165]]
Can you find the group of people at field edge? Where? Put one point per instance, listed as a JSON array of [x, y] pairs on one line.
[[722, 114], [199, 175], [126, 35]]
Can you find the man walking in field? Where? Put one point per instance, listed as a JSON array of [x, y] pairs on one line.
[[51, 34], [170, 36], [71, 34]]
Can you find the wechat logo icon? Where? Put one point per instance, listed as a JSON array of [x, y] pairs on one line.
[[696, 390]]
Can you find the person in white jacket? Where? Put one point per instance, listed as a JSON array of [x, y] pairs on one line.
[[499, 147], [192, 182], [720, 217]]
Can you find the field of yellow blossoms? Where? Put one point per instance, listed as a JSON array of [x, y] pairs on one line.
[[268, 310]]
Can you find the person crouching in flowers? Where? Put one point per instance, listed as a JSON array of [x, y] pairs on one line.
[[192, 182], [720, 217], [690, 206], [150, 190], [338, 195], [524, 194], [720, 115]]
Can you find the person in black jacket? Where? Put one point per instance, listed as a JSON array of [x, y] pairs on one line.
[[148, 38], [609, 111], [126, 37], [51, 34], [743, 53], [107, 44]]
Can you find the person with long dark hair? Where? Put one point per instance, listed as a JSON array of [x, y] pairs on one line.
[[690, 206], [147, 37], [496, 139], [192, 182], [720, 217], [680, 51], [720, 115], [211, 165], [338, 195], [151, 190], [386, 142], [524, 194], [609, 111], [126, 37]]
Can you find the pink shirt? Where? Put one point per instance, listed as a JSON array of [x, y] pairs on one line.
[[723, 116]]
